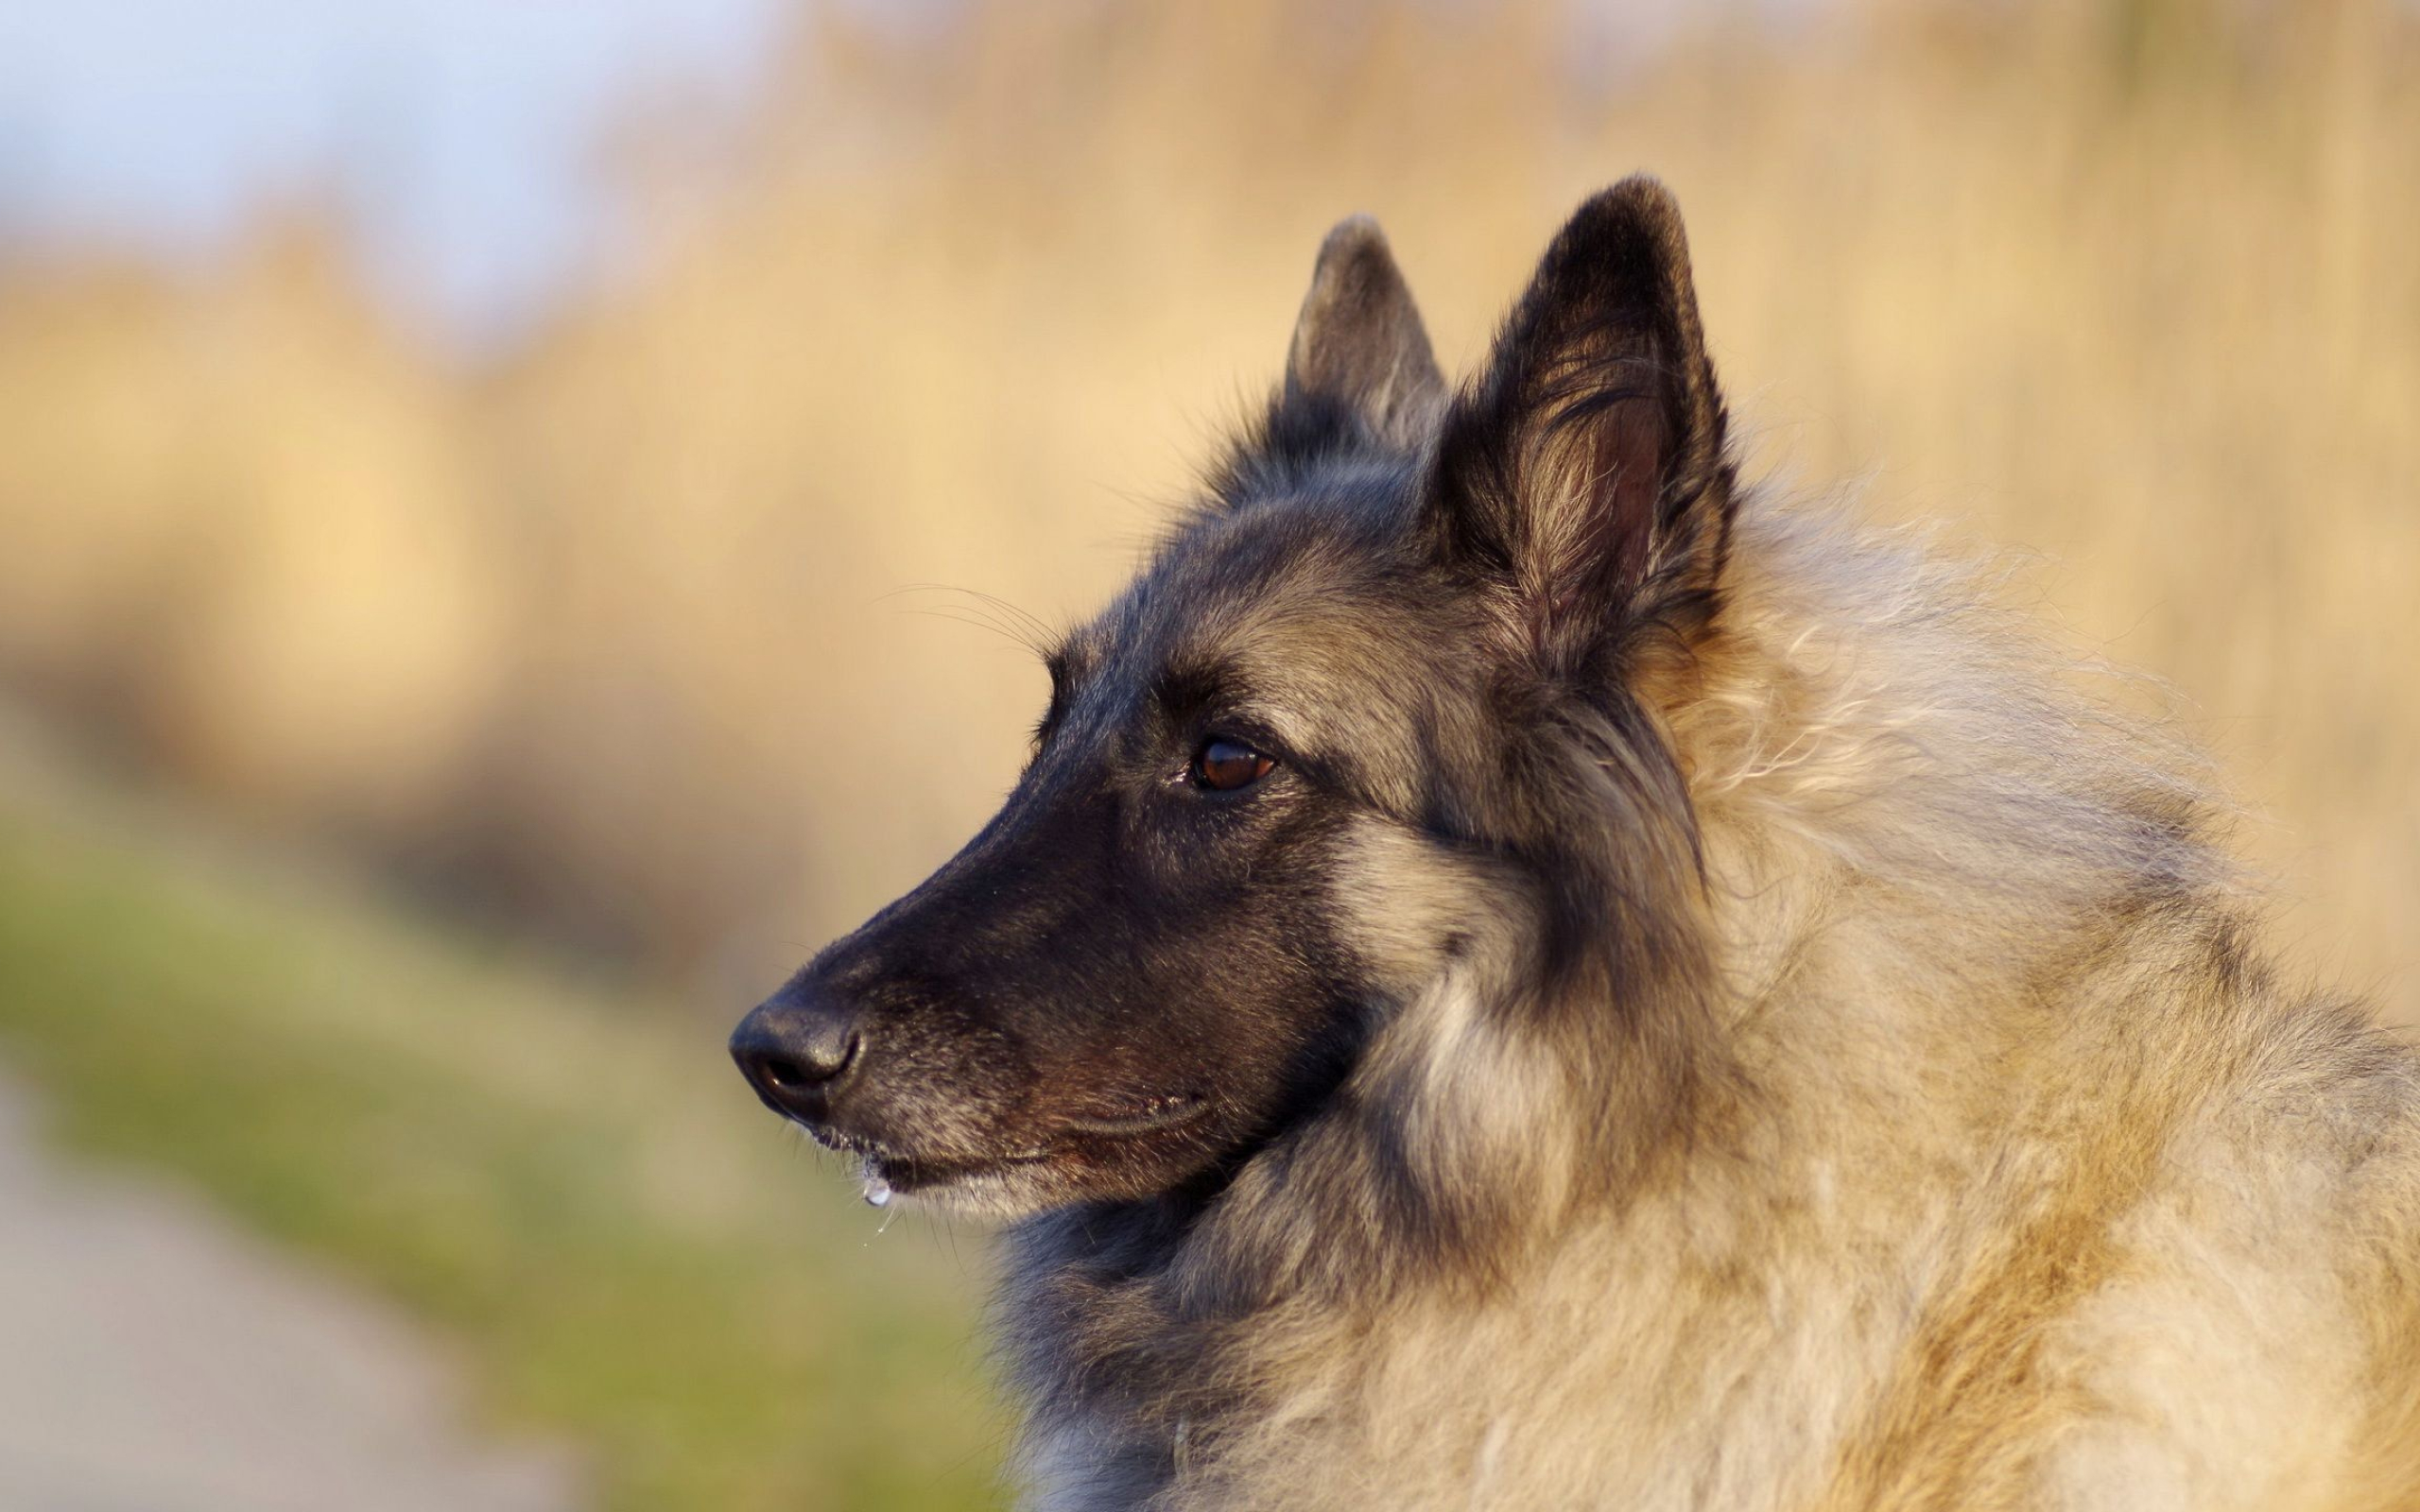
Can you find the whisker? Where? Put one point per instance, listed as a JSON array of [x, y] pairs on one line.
[[975, 623], [989, 609]]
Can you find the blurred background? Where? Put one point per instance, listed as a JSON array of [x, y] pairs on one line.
[[517, 521]]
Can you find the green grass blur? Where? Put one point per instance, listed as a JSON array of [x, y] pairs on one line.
[[573, 1188]]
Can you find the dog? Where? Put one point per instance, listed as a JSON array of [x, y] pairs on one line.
[[1522, 972]]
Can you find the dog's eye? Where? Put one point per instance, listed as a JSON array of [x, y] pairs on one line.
[[1223, 766]]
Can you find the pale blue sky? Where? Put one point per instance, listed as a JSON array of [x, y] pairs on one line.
[[462, 132]]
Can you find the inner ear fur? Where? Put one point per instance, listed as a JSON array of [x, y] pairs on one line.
[[1584, 466]]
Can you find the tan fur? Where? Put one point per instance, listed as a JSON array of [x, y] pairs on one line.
[[2026, 1183]]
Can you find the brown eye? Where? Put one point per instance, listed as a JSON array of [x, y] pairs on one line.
[[1225, 765]]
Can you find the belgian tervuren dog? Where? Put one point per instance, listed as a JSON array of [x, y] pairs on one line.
[[1523, 975]]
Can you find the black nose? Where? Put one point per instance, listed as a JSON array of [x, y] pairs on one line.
[[797, 1049]]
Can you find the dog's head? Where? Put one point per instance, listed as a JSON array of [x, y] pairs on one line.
[[1313, 757]]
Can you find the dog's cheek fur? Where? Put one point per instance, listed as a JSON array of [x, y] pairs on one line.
[[1448, 933]]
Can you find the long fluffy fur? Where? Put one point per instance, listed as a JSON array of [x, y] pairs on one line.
[[1961, 1152]]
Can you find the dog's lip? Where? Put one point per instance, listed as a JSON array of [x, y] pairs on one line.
[[904, 1171], [1153, 1115], [907, 1173]]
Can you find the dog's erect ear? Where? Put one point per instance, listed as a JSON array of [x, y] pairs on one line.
[[1585, 468], [1359, 343]]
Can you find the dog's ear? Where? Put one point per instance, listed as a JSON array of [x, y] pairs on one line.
[[1585, 470], [1358, 343]]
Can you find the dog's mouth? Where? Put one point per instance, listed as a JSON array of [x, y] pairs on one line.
[[889, 1175], [890, 1171]]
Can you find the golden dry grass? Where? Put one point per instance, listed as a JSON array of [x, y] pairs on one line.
[[2134, 284]]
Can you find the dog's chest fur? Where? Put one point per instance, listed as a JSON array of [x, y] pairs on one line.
[[2091, 1311]]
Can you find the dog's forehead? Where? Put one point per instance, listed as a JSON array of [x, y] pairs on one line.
[[1295, 604]]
